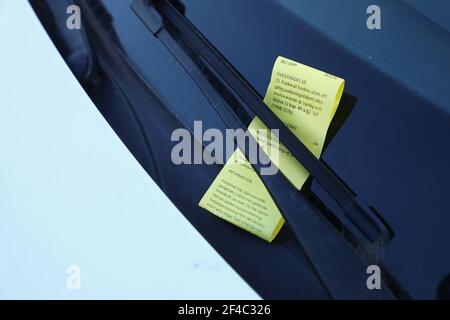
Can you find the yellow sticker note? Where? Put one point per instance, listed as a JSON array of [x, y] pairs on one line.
[[239, 196], [305, 99]]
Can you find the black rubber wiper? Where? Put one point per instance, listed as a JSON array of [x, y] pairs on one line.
[[160, 14], [327, 252]]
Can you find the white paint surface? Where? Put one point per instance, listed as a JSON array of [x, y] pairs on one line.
[[71, 194]]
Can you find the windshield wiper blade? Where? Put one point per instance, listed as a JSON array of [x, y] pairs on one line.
[[371, 225], [325, 250]]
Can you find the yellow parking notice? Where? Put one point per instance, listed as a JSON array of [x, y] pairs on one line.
[[305, 99]]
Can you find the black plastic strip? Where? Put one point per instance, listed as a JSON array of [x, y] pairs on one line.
[[365, 218]]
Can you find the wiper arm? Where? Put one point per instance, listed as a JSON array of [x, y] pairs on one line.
[[212, 74], [371, 225]]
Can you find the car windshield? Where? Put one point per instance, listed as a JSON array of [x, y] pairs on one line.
[[386, 143]]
